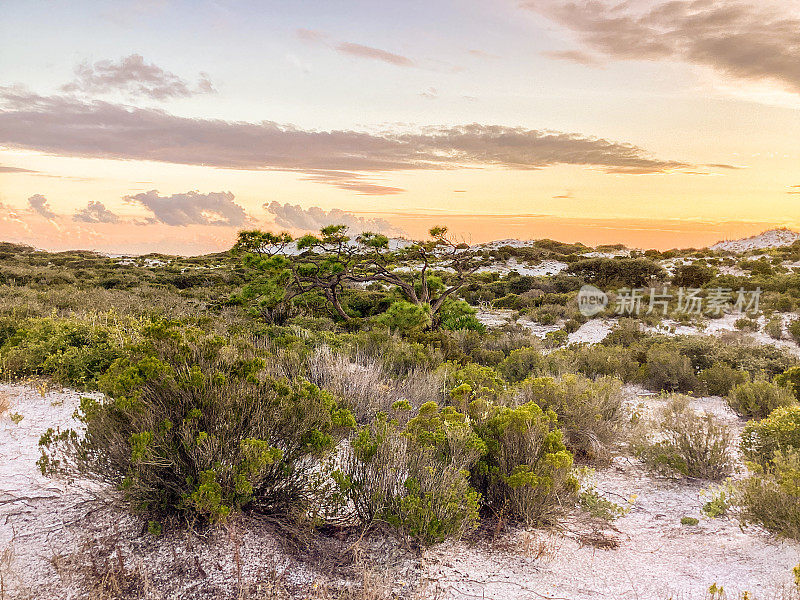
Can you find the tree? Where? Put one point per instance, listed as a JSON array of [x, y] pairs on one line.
[[411, 268], [331, 261]]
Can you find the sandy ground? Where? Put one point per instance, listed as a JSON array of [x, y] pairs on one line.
[[52, 535]]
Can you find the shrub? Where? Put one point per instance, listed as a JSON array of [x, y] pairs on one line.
[[526, 472], [774, 328], [458, 315], [746, 324], [688, 443], [759, 398], [771, 497], [594, 361], [719, 379], [70, 351], [406, 317], [780, 431], [790, 379], [668, 370], [554, 339], [192, 433], [794, 330], [691, 521], [521, 363], [589, 412], [597, 506], [414, 477]]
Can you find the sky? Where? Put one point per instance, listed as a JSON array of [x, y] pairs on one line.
[[136, 126]]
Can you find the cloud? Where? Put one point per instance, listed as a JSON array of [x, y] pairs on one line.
[[576, 56], [794, 189], [314, 218], [68, 126], [135, 77], [192, 208], [431, 93], [352, 49], [95, 212], [374, 54], [39, 205], [754, 41], [6, 169]]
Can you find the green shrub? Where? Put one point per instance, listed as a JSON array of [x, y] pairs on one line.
[[774, 328], [688, 443], [759, 398], [192, 432], [589, 412], [780, 431], [414, 477], [790, 379], [594, 361], [526, 472], [458, 315], [406, 317], [691, 521], [70, 351], [746, 324], [667, 369], [521, 363], [719, 379], [794, 330], [593, 503], [771, 497], [554, 339]]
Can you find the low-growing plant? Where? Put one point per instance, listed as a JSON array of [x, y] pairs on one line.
[[688, 443], [589, 412], [790, 379], [521, 364], [691, 521], [414, 477], [593, 503], [780, 431], [794, 330], [668, 370], [525, 474], [770, 496], [720, 378], [746, 324], [774, 327], [193, 431], [757, 399]]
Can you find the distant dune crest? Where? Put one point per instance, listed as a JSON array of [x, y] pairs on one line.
[[774, 238]]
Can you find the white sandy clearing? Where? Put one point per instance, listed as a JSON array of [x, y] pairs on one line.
[[774, 238]]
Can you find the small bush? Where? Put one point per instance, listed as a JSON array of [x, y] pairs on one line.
[[589, 412], [521, 364], [746, 324], [757, 399], [414, 477], [790, 379], [406, 317], [771, 497], [668, 370], [794, 330], [780, 431], [774, 328], [526, 472], [691, 521], [597, 506], [688, 443], [719, 379], [189, 433], [555, 339]]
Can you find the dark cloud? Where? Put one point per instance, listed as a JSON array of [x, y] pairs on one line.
[[192, 208], [747, 40], [5, 169], [71, 127], [134, 76], [374, 54], [95, 212], [314, 218], [40, 206]]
